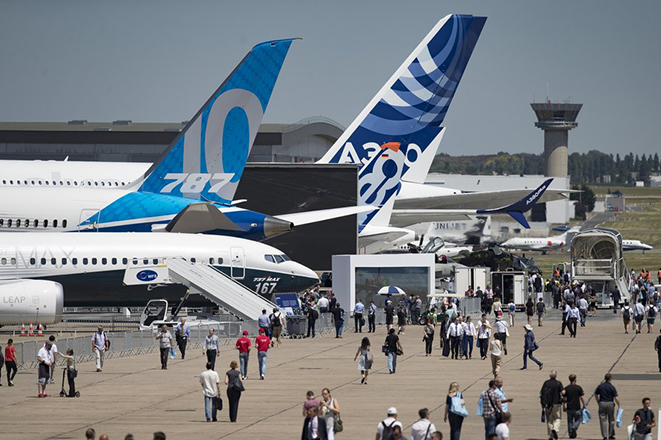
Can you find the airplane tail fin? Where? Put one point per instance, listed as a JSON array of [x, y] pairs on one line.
[[206, 160], [516, 210], [411, 106]]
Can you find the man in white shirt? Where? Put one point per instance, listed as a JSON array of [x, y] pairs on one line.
[[44, 361], [503, 429], [500, 332], [53, 354], [99, 347], [573, 316], [423, 428], [583, 309], [638, 314], [323, 304], [211, 389], [387, 424], [455, 333]]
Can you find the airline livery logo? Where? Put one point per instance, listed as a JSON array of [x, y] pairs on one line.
[[146, 275]]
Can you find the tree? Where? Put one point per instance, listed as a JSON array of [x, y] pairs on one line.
[[586, 197]]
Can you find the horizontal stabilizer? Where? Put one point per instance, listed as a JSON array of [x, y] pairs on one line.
[[304, 218], [201, 217]]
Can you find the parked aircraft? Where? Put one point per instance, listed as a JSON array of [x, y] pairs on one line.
[[95, 269], [635, 245], [541, 244]]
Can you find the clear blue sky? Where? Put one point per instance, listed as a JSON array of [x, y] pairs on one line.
[[158, 61]]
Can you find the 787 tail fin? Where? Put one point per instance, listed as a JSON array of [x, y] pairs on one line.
[[206, 160]]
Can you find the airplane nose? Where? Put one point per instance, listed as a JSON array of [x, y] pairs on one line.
[[304, 276]]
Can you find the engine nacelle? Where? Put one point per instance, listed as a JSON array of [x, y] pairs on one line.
[[35, 301]]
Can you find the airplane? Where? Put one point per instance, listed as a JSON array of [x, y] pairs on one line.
[[635, 245], [541, 244], [49, 271], [189, 189]]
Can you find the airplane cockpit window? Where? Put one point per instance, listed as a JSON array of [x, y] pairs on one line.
[[285, 257], [269, 258], [279, 259]]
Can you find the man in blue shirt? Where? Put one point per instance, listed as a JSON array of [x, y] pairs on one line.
[[358, 311], [264, 321], [182, 333], [607, 397]]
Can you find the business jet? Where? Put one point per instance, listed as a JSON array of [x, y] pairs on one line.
[[635, 245], [541, 244], [48, 271], [189, 189]]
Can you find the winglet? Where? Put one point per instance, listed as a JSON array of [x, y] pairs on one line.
[[516, 210]]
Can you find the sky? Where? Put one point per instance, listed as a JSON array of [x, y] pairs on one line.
[[158, 61]]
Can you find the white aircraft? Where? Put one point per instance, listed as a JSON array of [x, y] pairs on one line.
[[41, 273], [635, 245], [541, 244]]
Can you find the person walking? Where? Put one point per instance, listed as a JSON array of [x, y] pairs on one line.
[[529, 346], [428, 336], [10, 362], [365, 359], [657, 347], [469, 338], [312, 315], [644, 421], [338, 319], [583, 310], [638, 314], [456, 420], [504, 401], [100, 345], [511, 312], [330, 410], [530, 309], [385, 427], [44, 362], [165, 344], [503, 428], [443, 335], [541, 311], [210, 348], [278, 324], [491, 407], [389, 311], [264, 321], [211, 391], [371, 317], [401, 317], [615, 293], [496, 348], [572, 319], [182, 335], [314, 427], [607, 397], [423, 428], [262, 342], [323, 304], [2, 364], [626, 315], [358, 310], [455, 333], [243, 345], [550, 397], [500, 332], [483, 335], [650, 312], [573, 404], [234, 390], [393, 349]]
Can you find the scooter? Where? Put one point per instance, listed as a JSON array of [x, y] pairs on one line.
[[63, 393]]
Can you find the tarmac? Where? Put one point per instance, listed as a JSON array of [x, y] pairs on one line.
[[133, 395]]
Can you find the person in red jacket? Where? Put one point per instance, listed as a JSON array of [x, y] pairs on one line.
[[10, 362], [243, 345], [262, 342]]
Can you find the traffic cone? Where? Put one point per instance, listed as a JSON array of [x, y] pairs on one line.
[[40, 330], [31, 331], [22, 329]]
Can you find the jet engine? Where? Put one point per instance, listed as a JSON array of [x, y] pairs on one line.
[[35, 301]]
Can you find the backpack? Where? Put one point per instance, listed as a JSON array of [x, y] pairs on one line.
[[626, 313], [512, 308], [387, 429], [540, 307]]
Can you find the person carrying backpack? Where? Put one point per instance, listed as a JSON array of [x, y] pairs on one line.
[[385, 427], [626, 315], [550, 397], [541, 310]]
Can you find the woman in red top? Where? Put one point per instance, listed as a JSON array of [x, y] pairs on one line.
[[10, 361]]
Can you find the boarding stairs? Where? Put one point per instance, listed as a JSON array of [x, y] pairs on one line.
[[218, 288]]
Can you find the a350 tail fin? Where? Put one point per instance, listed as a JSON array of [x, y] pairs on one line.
[[411, 106], [206, 160], [517, 209]]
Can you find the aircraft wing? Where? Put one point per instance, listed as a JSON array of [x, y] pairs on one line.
[[200, 217], [406, 217], [304, 218], [475, 200]]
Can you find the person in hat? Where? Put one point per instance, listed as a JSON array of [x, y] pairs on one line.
[[529, 347], [243, 345], [44, 361], [385, 427], [262, 342], [500, 332]]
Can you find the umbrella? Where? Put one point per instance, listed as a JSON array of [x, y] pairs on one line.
[[390, 290]]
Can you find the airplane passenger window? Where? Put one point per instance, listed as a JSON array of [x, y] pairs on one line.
[[269, 258], [40, 182], [74, 261], [2, 222], [220, 260], [55, 223], [211, 260], [46, 182], [36, 223], [53, 261], [96, 183], [45, 223], [18, 182], [114, 261], [64, 261], [85, 260], [135, 261], [145, 261], [75, 183], [68, 182], [13, 261], [155, 260], [9, 223], [27, 223], [33, 182], [4, 261], [278, 259], [33, 261], [64, 223], [125, 260], [18, 223], [103, 184], [94, 260], [11, 182], [104, 260], [193, 260], [43, 261]]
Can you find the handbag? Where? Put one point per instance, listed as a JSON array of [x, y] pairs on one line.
[[399, 352], [457, 407], [618, 420], [499, 415], [543, 416], [384, 349], [238, 385], [337, 423], [173, 353], [585, 416], [73, 373], [535, 346], [217, 402], [479, 407]]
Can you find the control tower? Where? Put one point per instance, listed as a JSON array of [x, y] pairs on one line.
[[556, 119]]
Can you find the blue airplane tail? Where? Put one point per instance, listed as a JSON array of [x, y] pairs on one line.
[[206, 160], [516, 210]]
